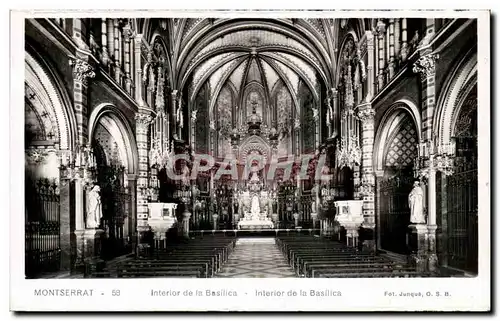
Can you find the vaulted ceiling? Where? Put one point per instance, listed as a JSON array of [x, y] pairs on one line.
[[239, 51]]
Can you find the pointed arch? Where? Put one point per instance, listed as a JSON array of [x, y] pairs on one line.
[[45, 83], [459, 83], [389, 124], [117, 124]]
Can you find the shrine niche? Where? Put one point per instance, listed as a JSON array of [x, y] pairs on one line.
[[200, 117], [223, 116], [309, 114], [285, 112], [254, 102]]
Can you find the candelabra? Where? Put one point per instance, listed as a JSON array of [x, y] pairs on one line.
[[79, 165], [440, 158]]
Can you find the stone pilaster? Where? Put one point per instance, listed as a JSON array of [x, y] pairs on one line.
[[367, 189], [142, 122], [82, 72], [425, 66]]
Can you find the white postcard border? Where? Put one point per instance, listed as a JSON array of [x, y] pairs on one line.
[[466, 294]]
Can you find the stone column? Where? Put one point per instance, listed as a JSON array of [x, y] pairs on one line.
[[336, 113], [142, 120], [116, 37], [110, 35], [132, 185], [404, 40], [127, 34], [378, 179], [173, 111], [370, 72], [64, 223], [104, 43], [138, 70], [80, 33], [381, 54], [392, 61], [397, 37], [366, 115]]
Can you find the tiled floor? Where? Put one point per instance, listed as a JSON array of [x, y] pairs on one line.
[[256, 258]]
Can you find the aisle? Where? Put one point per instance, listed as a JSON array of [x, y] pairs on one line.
[[256, 258]]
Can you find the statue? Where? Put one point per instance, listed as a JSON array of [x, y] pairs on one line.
[[255, 208], [416, 203], [94, 208]]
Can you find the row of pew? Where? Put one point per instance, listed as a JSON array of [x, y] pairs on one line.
[[193, 258], [318, 257]]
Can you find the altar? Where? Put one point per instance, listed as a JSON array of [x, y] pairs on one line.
[[252, 199], [255, 219]]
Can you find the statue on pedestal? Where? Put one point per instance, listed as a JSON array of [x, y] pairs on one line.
[[94, 208], [416, 203]]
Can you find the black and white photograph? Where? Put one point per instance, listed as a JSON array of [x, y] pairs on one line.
[[212, 146]]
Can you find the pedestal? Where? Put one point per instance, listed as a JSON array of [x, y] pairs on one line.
[[314, 217], [417, 244], [89, 250], [215, 217], [432, 256], [296, 218], [185, 223]]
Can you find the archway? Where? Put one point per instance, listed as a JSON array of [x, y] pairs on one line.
[[115, 152], [396, 145], [49, 132]]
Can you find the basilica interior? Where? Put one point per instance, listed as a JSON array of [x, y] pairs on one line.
[[250, 147]]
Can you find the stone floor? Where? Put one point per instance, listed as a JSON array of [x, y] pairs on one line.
[[256, 258]]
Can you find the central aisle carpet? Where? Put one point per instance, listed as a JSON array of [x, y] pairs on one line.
[[256, 258]]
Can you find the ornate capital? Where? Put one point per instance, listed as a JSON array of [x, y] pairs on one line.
[[426, 65], [36, 156], [142, 119], [366, 114], [82, 70], [380, 28]]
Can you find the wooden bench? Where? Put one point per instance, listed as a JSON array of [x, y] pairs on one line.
[[157, 271], [159, 265]]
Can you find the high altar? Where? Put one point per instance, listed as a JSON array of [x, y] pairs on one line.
[[252, 198]]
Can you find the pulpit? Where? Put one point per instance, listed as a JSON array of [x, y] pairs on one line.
[[350, 216], [161, 218]]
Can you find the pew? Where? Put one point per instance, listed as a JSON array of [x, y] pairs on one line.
[[322, 257]]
